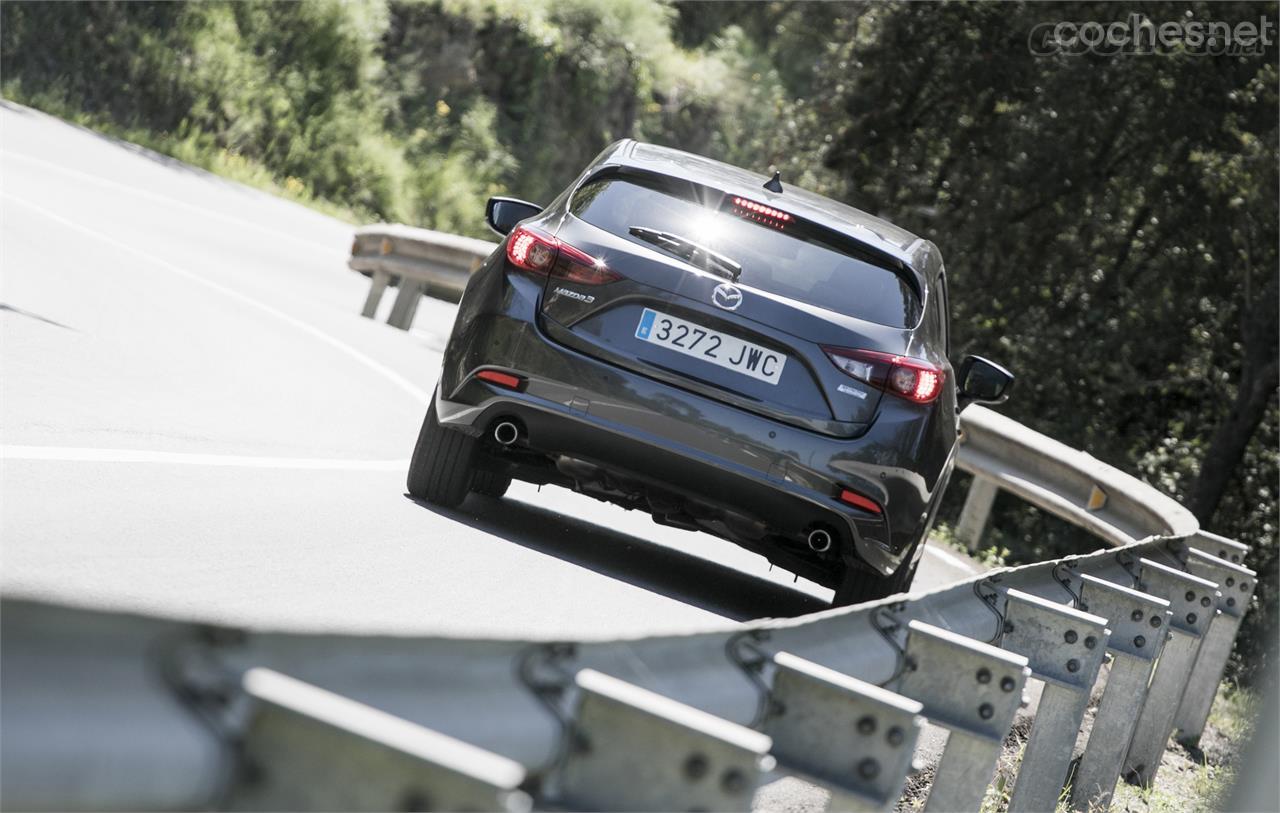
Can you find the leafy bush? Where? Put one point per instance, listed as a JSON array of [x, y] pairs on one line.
[[411, 111]]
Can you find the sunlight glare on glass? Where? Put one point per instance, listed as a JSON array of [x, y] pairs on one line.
[[708, 226]]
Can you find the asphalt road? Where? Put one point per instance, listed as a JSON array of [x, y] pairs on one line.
[[195, 420]]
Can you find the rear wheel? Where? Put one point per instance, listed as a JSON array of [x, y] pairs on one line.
[[861, 585], [443, 462], [490, 483]]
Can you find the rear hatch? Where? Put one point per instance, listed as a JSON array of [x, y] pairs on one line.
[[731, 298]]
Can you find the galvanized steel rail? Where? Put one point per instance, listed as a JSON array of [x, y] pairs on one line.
[[107, 710], [416, 261]]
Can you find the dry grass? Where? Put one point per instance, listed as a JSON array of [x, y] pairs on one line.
[[1198, 779], [1189, 780]]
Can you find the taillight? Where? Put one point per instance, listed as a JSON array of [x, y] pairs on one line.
[[543, 254], [531, 251], [911, 378], [761, 213], [858, 501], [511, 382]]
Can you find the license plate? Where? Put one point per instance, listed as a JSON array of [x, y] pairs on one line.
[[711, 346]]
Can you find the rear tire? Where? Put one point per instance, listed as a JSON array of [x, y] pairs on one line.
[[490, 483], [861, 585], [443, 463]]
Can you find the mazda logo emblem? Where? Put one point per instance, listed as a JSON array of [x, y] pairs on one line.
[[727, 296]]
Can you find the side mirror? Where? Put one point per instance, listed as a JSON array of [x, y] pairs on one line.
[[982, 382], [502, 214]]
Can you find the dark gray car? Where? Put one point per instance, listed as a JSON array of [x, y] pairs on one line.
[[680, 336]]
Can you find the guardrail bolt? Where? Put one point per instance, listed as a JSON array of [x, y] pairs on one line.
[[1090, 642], [1073, 665], [1231, 602], [986, 711], [1244, 585], [252, 773], [1191, 618], [695, 767], [1007, 683], [1191, 595], [1139, 642], [868, 769], [1136, 615], [895, 736], [414, 801], [1231, 581], [867, 725], [1205, 602], [984, 675], [1071, 637], [1156, 621], [733, 782]]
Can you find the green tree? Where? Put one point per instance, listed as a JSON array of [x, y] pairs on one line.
[[1110, 229]]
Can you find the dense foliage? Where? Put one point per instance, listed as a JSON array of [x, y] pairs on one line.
[[1109, 223], [1110, 229]]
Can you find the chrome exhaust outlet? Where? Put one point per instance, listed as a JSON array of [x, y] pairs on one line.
[[819, 540], [506, 433]]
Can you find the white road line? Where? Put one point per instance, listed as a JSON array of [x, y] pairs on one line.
[[954, 561], [78, 454], [167, 200], [419, 394]]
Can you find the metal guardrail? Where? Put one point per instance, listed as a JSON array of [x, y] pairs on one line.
[[417, 261], [110, 710], [1003, 454]]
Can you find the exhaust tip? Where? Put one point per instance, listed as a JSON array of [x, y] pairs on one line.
[[819, 540], [506, 433]]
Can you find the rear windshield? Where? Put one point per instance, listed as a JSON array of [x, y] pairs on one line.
[[794, 265]]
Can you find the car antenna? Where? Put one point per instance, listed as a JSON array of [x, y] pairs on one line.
[[774, 184]]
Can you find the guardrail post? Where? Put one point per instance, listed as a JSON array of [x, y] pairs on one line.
[[306, 748], [1236, 585], [1192, 601], [406, 305], [971, 688], [1138, 625], [853, 738], [377, 285], [1226, 549], [976, 512], [1064, 648], [633, 749]]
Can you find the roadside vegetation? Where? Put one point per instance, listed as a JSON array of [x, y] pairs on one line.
[[1110, 223], [989, 556], [1201, 778], [1196, 780]]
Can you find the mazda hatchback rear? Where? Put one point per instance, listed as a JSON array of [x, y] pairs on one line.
[[683, 337]]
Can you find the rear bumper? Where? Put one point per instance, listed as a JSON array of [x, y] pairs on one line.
[[786, 476], [644, 457]]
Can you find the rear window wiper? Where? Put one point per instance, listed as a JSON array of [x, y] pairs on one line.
[[693, 253]]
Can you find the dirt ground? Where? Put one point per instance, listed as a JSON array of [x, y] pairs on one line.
[[1189, 780]]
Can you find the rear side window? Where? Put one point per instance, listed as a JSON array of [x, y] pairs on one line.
[[794, 265]]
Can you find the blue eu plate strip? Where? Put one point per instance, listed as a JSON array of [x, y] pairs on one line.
[[646, 324]]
